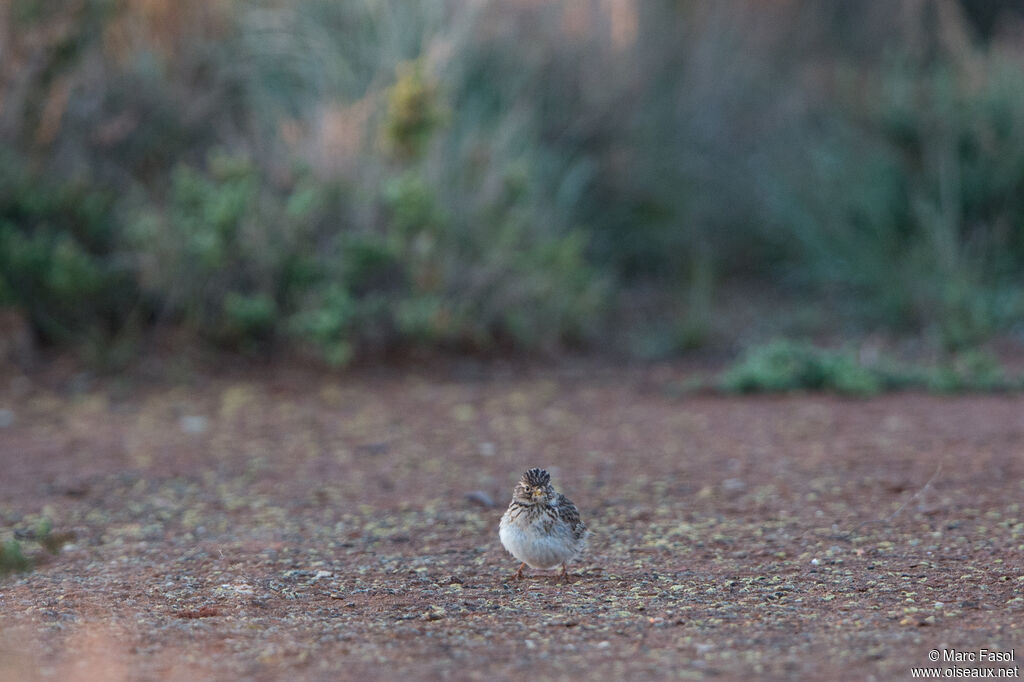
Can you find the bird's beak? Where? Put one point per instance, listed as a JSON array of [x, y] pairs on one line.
[[538, 493]]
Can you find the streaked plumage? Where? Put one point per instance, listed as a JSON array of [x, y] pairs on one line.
[[541, 527]]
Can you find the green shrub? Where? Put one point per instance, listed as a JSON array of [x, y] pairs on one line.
[[356, 178], [919, 178], [249, 317], [228, 255], [12, 560], [783, 366], [61, 257], [328, 323], [787, 366], [970, 371]]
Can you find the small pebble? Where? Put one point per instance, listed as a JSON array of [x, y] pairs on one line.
[[481, 498], [733, 485], [191, 423]]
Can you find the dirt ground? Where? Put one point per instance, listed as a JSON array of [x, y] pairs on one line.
[[289, 524]]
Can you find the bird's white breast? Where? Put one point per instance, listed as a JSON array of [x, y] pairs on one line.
[[531, 542]]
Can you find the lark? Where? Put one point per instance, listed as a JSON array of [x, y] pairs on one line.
[[541, 527]]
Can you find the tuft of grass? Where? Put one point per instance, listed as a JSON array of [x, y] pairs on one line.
[[12, 560], [43, 534], [783, 366], [13, 557]]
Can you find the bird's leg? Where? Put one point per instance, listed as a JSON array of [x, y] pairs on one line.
[[565, 574], [519, 573]]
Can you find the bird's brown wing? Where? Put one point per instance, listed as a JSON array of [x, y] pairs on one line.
[[567, 512]]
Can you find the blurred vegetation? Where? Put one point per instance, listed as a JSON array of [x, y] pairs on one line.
[[783, 366], [12, 560], [357, 179], [13, 557]]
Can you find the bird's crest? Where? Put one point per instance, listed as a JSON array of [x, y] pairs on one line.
[[537, 477]]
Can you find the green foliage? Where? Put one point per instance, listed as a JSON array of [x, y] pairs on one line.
[[12, 560], [786, 366], [783, 366], [970, 370], [412, 206], [414, 111], [228, 255], [60, 255], [328, 324], [358, 178], [918, 189], [249, 317], [12, 554]]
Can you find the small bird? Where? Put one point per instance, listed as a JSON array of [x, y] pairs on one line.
[[541, 527]]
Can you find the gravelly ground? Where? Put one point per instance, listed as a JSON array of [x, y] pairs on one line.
[[285, 524]]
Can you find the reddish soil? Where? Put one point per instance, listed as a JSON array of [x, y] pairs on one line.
[[284, 524]]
